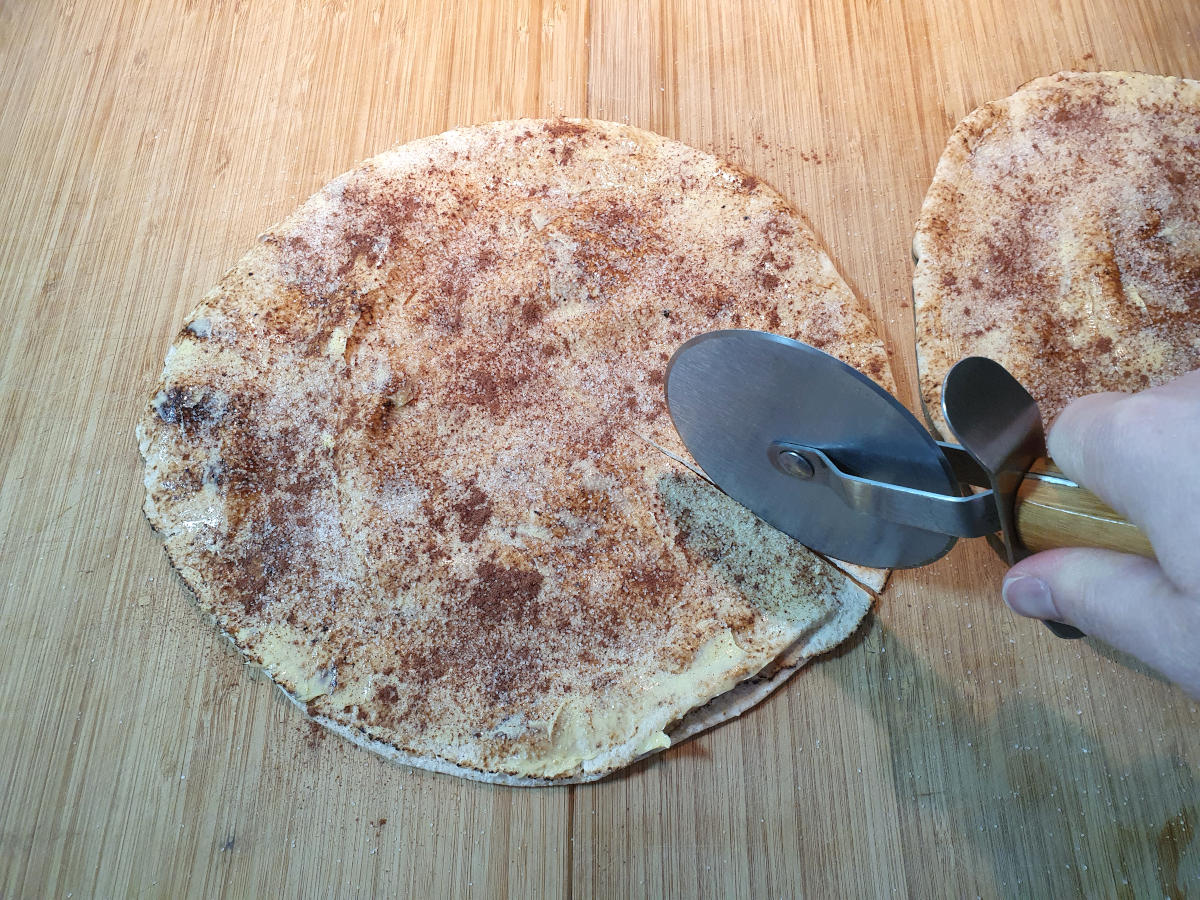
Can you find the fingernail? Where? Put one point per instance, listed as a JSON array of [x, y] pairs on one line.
[[1029, 596]]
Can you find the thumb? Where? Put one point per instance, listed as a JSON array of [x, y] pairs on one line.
[[1123, 600]]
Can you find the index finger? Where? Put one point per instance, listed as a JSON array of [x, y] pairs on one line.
[[1140, 453]]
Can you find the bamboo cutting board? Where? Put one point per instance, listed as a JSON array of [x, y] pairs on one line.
[[948, 750]]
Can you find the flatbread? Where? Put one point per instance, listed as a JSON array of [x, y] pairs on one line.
[[1061, 237], [412, 453]]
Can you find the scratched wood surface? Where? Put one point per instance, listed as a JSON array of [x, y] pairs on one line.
[[948, 750]]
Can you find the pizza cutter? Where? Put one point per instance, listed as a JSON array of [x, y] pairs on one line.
[[818, 450]]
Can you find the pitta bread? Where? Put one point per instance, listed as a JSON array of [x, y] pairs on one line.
[[413, 454], [1061, 237]]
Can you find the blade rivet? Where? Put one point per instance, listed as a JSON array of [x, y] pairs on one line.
[[795, 464]]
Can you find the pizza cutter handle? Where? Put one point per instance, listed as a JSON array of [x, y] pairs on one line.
[[1053, 511]]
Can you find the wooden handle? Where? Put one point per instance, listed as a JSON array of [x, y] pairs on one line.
[[1053, 511]]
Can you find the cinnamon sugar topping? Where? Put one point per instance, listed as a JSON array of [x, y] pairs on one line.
[[414, 470], [1061, 237]]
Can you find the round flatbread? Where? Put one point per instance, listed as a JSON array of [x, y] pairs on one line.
[[413, 453], [1061, 237]]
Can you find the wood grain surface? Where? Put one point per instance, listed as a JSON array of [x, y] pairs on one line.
[[948, 750]]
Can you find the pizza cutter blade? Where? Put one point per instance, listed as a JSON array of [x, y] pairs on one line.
[[818, 450], [746, 403]]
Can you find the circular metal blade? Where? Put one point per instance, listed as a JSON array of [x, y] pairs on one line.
[[733, 393]]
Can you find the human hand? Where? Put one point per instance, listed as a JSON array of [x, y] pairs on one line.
[[1140, 453]]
